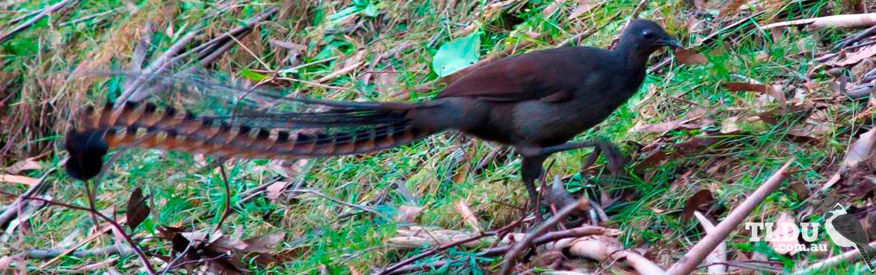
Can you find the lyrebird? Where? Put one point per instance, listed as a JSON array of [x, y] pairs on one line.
[[535, 102]]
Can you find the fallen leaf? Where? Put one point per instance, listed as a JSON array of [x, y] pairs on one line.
[[19, 179], [689, 56], [809, 131], [583, 7], [745, 87], [263, 244], [861, 149], [467, 215], [774, 92], [408, 214], [663, 127], [800, 189], [275, 190], [730, 125], [856, 57], [23, 165], [138, 210], [784, 237], [698, 199], [697, 143]]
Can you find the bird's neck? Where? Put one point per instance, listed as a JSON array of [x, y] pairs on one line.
[[631, 54]]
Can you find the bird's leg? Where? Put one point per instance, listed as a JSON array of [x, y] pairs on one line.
[[531, 170], [616, 159]]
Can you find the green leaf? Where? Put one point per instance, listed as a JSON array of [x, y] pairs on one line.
[[253, 76], [371, 10], [456, 55]]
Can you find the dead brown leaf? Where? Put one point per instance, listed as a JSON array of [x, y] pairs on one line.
[[408, 214], [138, 209], [690, 56], [861, 150], [745, 87], [276, 190], [732, 7], [800, 189], [701, 197], [856, 57], [263, 244]]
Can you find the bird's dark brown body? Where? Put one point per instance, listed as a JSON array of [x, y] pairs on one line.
[[562, 93], [535, 102]]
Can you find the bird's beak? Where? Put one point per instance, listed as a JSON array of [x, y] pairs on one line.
[[672, 43]]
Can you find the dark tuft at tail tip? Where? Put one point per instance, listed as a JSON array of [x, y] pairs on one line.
[[86, 153]]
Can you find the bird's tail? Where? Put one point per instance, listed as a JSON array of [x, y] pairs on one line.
[[867, 254], [346, 128]]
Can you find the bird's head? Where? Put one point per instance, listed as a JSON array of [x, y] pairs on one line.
[[646, 36], [838, 210]]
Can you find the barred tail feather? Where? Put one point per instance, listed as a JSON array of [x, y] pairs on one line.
[[94, 133]]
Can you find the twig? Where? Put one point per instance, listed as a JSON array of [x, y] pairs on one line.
[[837, 21], [26, 24], [584, 35], [633, 16], [132, 93], [227, 208], [699, 252], [585, 230], [719, 255], [139, 54], [391, 269], [82, 253], [511, 256], [324, 196], [12, 210], [858, 37], [114, 224]]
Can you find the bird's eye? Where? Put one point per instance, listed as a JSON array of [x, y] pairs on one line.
[[647, 34]]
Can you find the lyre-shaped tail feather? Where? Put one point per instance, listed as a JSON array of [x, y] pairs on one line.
[[145, 125]]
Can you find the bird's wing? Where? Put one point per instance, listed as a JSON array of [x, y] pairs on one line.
[[851, 228], [549, 75]]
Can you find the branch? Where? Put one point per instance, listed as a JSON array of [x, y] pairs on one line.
[[851, 255], [33, 20], [689, 262], [511, 256]]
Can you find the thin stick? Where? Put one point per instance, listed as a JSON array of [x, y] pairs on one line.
[[338, 201], [689, 262], [31, 21], [434, 251], [511, 256], [114, 224], [227, 209], [582, 231], [81, 253], [397, 266]]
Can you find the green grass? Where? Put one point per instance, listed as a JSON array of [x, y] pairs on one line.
[[439, 171]]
